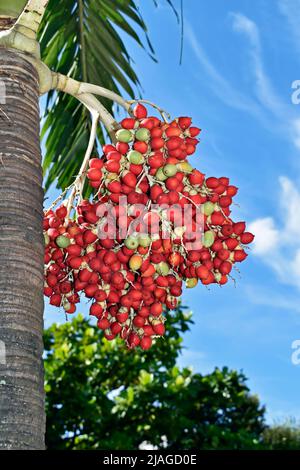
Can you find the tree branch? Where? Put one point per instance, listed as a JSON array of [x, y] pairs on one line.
[[29, 21]]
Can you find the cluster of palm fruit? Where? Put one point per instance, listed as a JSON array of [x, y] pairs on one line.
[[154, 223]]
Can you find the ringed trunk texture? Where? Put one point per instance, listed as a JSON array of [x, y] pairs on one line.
[[22, 418]]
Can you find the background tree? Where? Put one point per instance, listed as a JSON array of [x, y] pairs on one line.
[[80, 39], [101, 396]]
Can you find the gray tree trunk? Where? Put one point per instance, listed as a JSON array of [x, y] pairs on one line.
[[22, 417]]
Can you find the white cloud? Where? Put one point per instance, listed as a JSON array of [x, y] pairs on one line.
[[278, 244], [266, 235]]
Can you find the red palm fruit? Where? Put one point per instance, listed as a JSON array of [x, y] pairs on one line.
[[71, 309], [48, 291], [95, 184], [91, 217], [117, 278], [115, 328], [133, 340], [136, 169], [128, 123], [73, 250], [172, 183], [75, 262], [231, 191], [220, 189], [149, 272], [159, 329], [107, 243], [162, 281], [122, 317], [156, 258], [231, 243], [184, 122], [96, 310], [89, 237], [95, 264], [194, 131], [212, 182], [147, 282], [173, 143], [157, 143], [214, 198], [155, 132], [113, 297], [116, 266], [53, 233], [135, 295], [114, 187], [156, 309], [79, 285], [138, 321], [130, 180], [225, 201], [144, 312], [139, 111], [55, 300], [223, 280], [122, 257], [51, 280], [208, 264], [109, 258], [148, 330], [114, 156], [112, 166], [174, 259], [156, 160], [143, 250], [146, 343], [209, 280], [246, 237], [90, 290], [140, 146], [227, 230], [108, 148], [155, 191], [148, 123], [223, 254], [194, 256], [94, 174], [157, 245], [96, 163], [61, 212], [190, 149], [225, 267], [84, 275], [79, 241], [217, 218], [224, 180], [239, 228], [239, 255], [65, 287], [196, 177], [171, 302], [103, 324], [173, 197], [74, 298], [217, 245], [54, 222], [94, 278], [173, 131], [159, 293], [176, 291], [100, 295], [217, 263], [202, 272], [122, 147]]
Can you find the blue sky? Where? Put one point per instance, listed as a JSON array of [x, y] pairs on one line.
[[240, 59]]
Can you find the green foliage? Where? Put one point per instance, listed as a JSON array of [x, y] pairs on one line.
[[102, 396], [282, 437]]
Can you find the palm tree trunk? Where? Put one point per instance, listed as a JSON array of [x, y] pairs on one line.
[[22, 418]]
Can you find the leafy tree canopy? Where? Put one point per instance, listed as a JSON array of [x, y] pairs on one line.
[[102, 396]]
